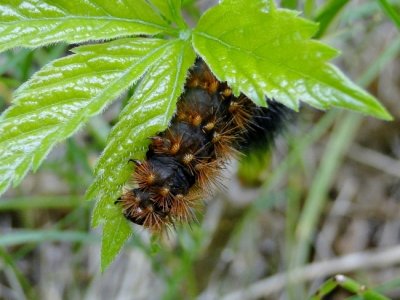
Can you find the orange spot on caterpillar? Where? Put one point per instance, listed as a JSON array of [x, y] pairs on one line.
[[196, 121], [209, 126], [169, 144], [175, 148], [188, 158], [181, 115], [160, 145], [164, 191], [227, 92], [201, 77], [193, 82], [213, 86], [175, 142], [189, 113]]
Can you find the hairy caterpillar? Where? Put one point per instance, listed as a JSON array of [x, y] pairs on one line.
[[210, 126]]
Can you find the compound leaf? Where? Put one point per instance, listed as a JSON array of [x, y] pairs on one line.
[[33, 23], [61, 97], [148, 112], [260, 50]]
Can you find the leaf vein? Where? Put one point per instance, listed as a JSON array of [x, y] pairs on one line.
[[87, 18]]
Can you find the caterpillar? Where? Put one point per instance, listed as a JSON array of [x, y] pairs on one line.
[[183, 162]]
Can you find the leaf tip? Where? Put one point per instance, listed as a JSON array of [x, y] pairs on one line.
[[383, 114], [115, 233]]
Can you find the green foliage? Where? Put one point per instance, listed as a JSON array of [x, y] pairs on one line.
[[272, 54], [349, 285], [258, 49], [63, 95], [147, 113], [36, 23]]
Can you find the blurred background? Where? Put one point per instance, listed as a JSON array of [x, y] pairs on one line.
[[325, 201]]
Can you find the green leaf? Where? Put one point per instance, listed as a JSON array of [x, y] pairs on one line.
[[33, 23], [115, 233], [267, 51], [148, 112], [63, 95]]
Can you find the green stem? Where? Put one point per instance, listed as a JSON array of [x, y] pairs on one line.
[[349, 285], [390, 12], [340, 139]]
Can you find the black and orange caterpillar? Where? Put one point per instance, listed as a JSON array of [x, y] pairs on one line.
[[183, 162]]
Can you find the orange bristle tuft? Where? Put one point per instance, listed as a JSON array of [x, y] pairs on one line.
[[129, 202], [208, 173], [224, 142], [163, 197], [175, 142], [154, 221], [241, 112], [181, 208], [160, 145], [185, 205], [144, 176]]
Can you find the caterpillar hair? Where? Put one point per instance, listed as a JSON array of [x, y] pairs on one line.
[[210, 126]]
